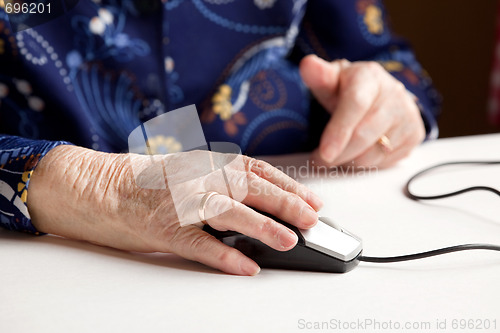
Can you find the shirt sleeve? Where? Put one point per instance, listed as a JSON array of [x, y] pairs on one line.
[[358, 30], [18, 155], [18, 160]]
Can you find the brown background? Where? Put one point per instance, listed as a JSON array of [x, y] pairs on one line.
[[454, 41]]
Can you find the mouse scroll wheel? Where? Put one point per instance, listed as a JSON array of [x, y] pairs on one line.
[[330, 222]]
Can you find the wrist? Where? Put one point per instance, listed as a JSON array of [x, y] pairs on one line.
[[61, 196]]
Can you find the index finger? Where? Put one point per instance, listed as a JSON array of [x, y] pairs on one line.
[[277, 177], [356, 95]]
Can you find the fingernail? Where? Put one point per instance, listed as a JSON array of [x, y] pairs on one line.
[[287, 238], [249, 267], [316, 201], [310, 217]]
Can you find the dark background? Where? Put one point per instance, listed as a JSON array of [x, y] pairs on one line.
[[454, 41]]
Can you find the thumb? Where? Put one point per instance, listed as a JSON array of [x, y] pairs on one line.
[[322, 78]]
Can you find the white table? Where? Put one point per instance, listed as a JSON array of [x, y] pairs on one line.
[[50, 284]]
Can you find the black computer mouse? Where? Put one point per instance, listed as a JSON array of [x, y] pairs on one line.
[[325, 248]]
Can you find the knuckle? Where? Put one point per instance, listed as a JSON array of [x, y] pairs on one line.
[[237, 180], [273, 174], [255, 185], [398, 92], [252, 178], [359, 99], [258, 164], [361, 134], [249, 162], [303, 191], [200, 241], [226, 257], [367, 69], [374, 67], [289, 202], [344, 63], [165, 231], [351, 76], [266, 226], [260, 167], [400, 88], [218, 205], [363, 71], [291, 186]]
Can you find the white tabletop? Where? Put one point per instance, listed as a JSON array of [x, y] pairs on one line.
[[50, 284]]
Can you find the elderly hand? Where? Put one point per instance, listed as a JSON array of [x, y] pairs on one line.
[[94, 196], [366, 104]]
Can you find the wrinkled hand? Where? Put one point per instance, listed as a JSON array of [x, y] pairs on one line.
[[93, 196], [366, 103]]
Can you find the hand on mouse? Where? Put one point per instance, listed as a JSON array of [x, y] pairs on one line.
[[93, 196], [366, 104]]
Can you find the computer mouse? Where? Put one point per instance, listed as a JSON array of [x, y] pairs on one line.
[[326, 247]]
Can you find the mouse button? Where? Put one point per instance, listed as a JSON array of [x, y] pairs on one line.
[[331, 222], [331, 241]]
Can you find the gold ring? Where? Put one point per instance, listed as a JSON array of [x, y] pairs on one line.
[[385, 144], [203, 204]]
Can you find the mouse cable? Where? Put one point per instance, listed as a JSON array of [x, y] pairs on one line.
[[432, 253], [450, 194], [445, 250]]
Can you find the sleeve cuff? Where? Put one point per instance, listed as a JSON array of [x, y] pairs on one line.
[[18, 159]]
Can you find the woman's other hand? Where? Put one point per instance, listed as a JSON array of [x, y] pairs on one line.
[[366, 104]]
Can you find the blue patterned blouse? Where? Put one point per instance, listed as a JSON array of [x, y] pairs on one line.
[[91, 76]]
